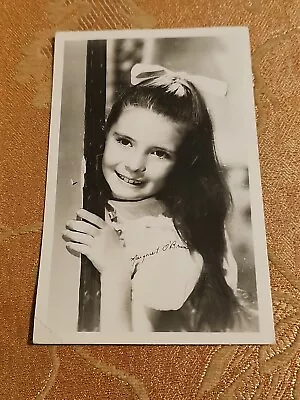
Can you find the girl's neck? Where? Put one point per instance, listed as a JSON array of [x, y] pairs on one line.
[[137, 208]]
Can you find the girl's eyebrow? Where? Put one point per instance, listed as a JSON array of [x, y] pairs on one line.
[[123, 136]]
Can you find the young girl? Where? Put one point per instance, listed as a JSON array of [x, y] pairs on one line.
[[162, 251]]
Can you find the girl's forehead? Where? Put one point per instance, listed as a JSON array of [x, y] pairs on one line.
[[147, 126]]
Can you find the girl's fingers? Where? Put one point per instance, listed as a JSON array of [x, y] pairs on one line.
[[78, 248], [92, 218], [84, 227], [78, 237]]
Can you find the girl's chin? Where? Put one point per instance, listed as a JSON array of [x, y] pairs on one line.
[[120, 197], [122, 192]]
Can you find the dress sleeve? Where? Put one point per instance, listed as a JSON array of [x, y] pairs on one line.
[[166, 271], [230, 266], [166, 283]]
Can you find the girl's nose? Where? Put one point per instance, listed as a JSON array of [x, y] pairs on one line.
[[136, 163]]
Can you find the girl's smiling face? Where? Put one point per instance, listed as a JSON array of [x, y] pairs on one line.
[[140, 151]]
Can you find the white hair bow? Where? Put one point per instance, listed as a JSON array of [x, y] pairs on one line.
[[174, 80]]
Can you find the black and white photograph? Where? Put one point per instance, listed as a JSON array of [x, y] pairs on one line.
[[153, 224]]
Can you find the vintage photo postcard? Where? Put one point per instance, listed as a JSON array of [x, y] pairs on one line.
[[153, 226]]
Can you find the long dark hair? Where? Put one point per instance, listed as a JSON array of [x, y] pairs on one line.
[[195, 195]]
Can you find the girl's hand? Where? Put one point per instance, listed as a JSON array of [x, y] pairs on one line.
[[94, 238]]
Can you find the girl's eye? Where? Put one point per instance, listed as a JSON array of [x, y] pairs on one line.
[[163, 155], [124, 142]]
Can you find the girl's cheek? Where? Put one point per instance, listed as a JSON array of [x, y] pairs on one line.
[[160, 168], [115, 153]]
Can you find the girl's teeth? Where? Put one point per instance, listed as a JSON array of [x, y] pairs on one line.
[[131, 181]]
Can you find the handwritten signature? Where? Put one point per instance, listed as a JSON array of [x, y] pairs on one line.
[[168, 246]]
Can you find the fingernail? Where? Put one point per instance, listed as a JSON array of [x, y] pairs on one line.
[[78, 213]]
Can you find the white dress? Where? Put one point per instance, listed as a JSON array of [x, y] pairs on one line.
[[164, 271]]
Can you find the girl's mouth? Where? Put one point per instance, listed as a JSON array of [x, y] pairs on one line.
[[135, 182]]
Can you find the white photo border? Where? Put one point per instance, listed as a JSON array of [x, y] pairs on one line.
[[43, 332]]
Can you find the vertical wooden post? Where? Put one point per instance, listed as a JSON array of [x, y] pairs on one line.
[[90, 290]]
